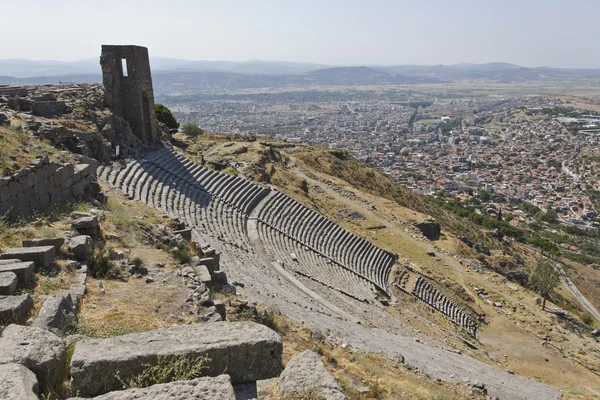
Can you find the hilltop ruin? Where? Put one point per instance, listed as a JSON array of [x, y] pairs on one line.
[[128, 88]]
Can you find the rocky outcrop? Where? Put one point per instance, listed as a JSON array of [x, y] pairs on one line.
[[305, 373], [430, 229], [207, 388], [245, 350], [17, 382], [37, 349]]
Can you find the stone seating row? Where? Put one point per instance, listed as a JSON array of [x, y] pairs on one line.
[[140, 179], [182, 199], [433, 297], [310, 264], [328, 238]]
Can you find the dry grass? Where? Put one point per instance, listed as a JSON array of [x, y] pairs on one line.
[[19, 148], [122, 307]]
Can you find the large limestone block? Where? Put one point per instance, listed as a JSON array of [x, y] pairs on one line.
[[42, 256], [39, 350], [56, 242], [81, 247], [207, 388], [23, 270], [55, 312], [14, 308], [245, 350], [306, 373], [8, 283], [17, 382], [9, 261], [204, 275]]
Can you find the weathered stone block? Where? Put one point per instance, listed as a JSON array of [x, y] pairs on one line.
[[49, 169], [55, 313], [39, 350], [219, 278], [9, 261], [306, 372], [207, 388], [14, 308], [56, 242], [209, 262], [17, 382], [246, 351], [23, 270], [42, 256], [8, 283], [85, 223], [430, 229], [81, 247], [204, 275], [185, 233]]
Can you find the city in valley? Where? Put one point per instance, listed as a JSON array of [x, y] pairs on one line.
[[523, 157]]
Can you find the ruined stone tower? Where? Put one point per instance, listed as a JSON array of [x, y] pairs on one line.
[[128, 88]]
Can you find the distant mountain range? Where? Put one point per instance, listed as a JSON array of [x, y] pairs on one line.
[[183, 76], [20, 68]]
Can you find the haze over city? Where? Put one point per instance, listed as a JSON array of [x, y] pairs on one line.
[[532, 33]]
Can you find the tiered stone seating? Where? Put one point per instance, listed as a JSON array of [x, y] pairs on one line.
[[217, 206], [429, 294], [327, 238], [310, 264]]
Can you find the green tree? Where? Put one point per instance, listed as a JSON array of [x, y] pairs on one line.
[[164, 115], [544, 279], [191, 130], [550, 216]]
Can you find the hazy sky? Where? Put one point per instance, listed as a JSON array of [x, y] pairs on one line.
[[526, 32]]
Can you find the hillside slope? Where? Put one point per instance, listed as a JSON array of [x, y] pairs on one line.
[[365, 202]]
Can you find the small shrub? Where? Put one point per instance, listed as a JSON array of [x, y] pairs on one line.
[[100, 265], [180, 368], [181, 254], [587, 319], [137, 262], [375, 390], [191, 130], [69, 325], [164, 115]]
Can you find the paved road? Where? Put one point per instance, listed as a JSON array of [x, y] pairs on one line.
[[579, 296]]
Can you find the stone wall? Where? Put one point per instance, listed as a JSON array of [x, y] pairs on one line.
[[45, 183], [48, 108]]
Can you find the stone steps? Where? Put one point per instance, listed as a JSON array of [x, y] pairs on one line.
[[327, 238], [430, 295]]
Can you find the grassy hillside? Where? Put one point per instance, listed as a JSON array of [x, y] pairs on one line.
[[342, 165]]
